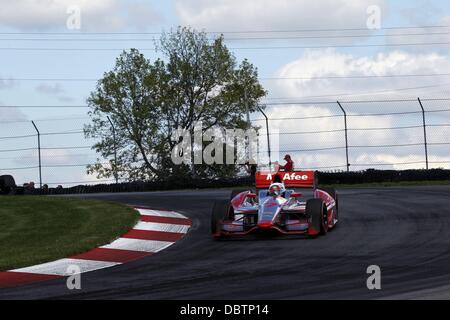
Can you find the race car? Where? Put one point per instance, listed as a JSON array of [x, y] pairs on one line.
[[284, 202]]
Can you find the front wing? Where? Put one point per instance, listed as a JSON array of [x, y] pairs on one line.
[[292, 227]]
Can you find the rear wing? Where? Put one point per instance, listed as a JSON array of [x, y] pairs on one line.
[[295, 179]]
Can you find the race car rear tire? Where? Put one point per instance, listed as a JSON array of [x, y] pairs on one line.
[[7, 184], [221, 211], [316, 210], [330, 191]]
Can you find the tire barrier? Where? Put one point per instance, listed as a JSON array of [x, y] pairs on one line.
[[7, 184], [324, 178], [377, 176]]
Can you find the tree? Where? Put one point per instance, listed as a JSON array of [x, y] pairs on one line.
[[123, 95], [198, 80]]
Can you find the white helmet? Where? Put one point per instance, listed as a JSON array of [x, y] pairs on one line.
[[276, 189]]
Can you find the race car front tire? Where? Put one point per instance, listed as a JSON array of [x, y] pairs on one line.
[[316, 210], [332, 192], [235, 192], [221, 211]]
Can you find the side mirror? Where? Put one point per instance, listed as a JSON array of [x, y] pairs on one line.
[[296, 195]]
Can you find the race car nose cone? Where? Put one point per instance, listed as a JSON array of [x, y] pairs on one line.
[[265, 224]]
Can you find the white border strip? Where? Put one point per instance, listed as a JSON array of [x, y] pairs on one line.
[[160, 213], [139, 245], [62, 267], [162, 227]]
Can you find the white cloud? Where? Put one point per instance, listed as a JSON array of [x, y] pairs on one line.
[[223, 15], [424, 35], [10, 114], [6, 83], [66, 99], [303, 147], [302, 122], [326, 63], [54, 174], [423, 13], [50, 89], [142, 15], [95, 15], [332, 63], [56, 90], [48, 157]]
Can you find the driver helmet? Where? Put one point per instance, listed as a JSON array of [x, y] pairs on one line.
[[276, 189]]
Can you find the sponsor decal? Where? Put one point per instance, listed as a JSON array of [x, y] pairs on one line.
[[290, 177]]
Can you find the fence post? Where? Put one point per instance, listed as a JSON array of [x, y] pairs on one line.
[[424, 132], [116, 177], [268, 135], [346, 135], [249, 124], [39, 153]]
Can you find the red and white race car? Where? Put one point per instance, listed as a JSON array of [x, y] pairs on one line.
[[284, 202]]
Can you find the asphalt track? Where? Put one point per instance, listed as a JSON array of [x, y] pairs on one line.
[[405, 231]]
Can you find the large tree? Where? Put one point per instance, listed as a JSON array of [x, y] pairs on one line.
[[197, 80]]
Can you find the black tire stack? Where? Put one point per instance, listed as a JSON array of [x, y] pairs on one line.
[[7, 185]]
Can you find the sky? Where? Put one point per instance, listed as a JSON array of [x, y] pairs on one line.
[[310, 52]]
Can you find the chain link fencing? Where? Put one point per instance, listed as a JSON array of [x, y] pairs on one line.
[[325, 136]]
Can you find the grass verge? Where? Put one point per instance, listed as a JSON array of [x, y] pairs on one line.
[[36, 229]]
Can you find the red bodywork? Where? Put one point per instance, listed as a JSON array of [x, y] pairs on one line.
[[294, 179]]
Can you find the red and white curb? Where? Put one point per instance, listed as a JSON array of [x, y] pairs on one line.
[[156, 231]]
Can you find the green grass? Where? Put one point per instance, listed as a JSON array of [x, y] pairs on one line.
[[389, 184], [35, 230]]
